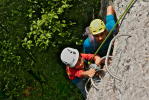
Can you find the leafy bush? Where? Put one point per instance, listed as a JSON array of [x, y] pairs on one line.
[[32, 33], [49, 29]]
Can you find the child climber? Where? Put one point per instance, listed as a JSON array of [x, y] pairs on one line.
[[75, 66]]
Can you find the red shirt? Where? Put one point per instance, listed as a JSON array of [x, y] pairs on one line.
[[73, 72]]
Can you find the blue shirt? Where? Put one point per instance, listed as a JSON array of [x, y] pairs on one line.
[[91, 45]]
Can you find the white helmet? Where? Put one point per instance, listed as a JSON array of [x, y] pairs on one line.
[[70, 56]]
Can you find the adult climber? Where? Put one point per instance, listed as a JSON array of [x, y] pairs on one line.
[[98, 31]]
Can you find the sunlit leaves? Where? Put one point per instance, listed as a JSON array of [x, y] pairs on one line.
[[8, 53], [45, 30]]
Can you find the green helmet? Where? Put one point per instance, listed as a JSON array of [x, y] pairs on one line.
[[97, 26]]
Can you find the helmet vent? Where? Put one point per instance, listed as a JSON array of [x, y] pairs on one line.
[[69, 50], [100, 29]]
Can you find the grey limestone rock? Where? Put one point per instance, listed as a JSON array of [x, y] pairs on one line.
[[130, 60]]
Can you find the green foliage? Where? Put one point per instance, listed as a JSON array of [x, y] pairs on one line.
[[49, 28], [32, 32], [8, 53], [52, 22], [9, 65]]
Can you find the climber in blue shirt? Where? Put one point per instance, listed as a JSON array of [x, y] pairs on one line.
[[98, 32]]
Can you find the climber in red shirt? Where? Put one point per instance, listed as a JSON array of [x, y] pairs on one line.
[[76, 67]]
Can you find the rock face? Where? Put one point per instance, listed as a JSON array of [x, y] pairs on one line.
[[130, 60]]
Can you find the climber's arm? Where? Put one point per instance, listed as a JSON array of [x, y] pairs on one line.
[[111, 19]]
